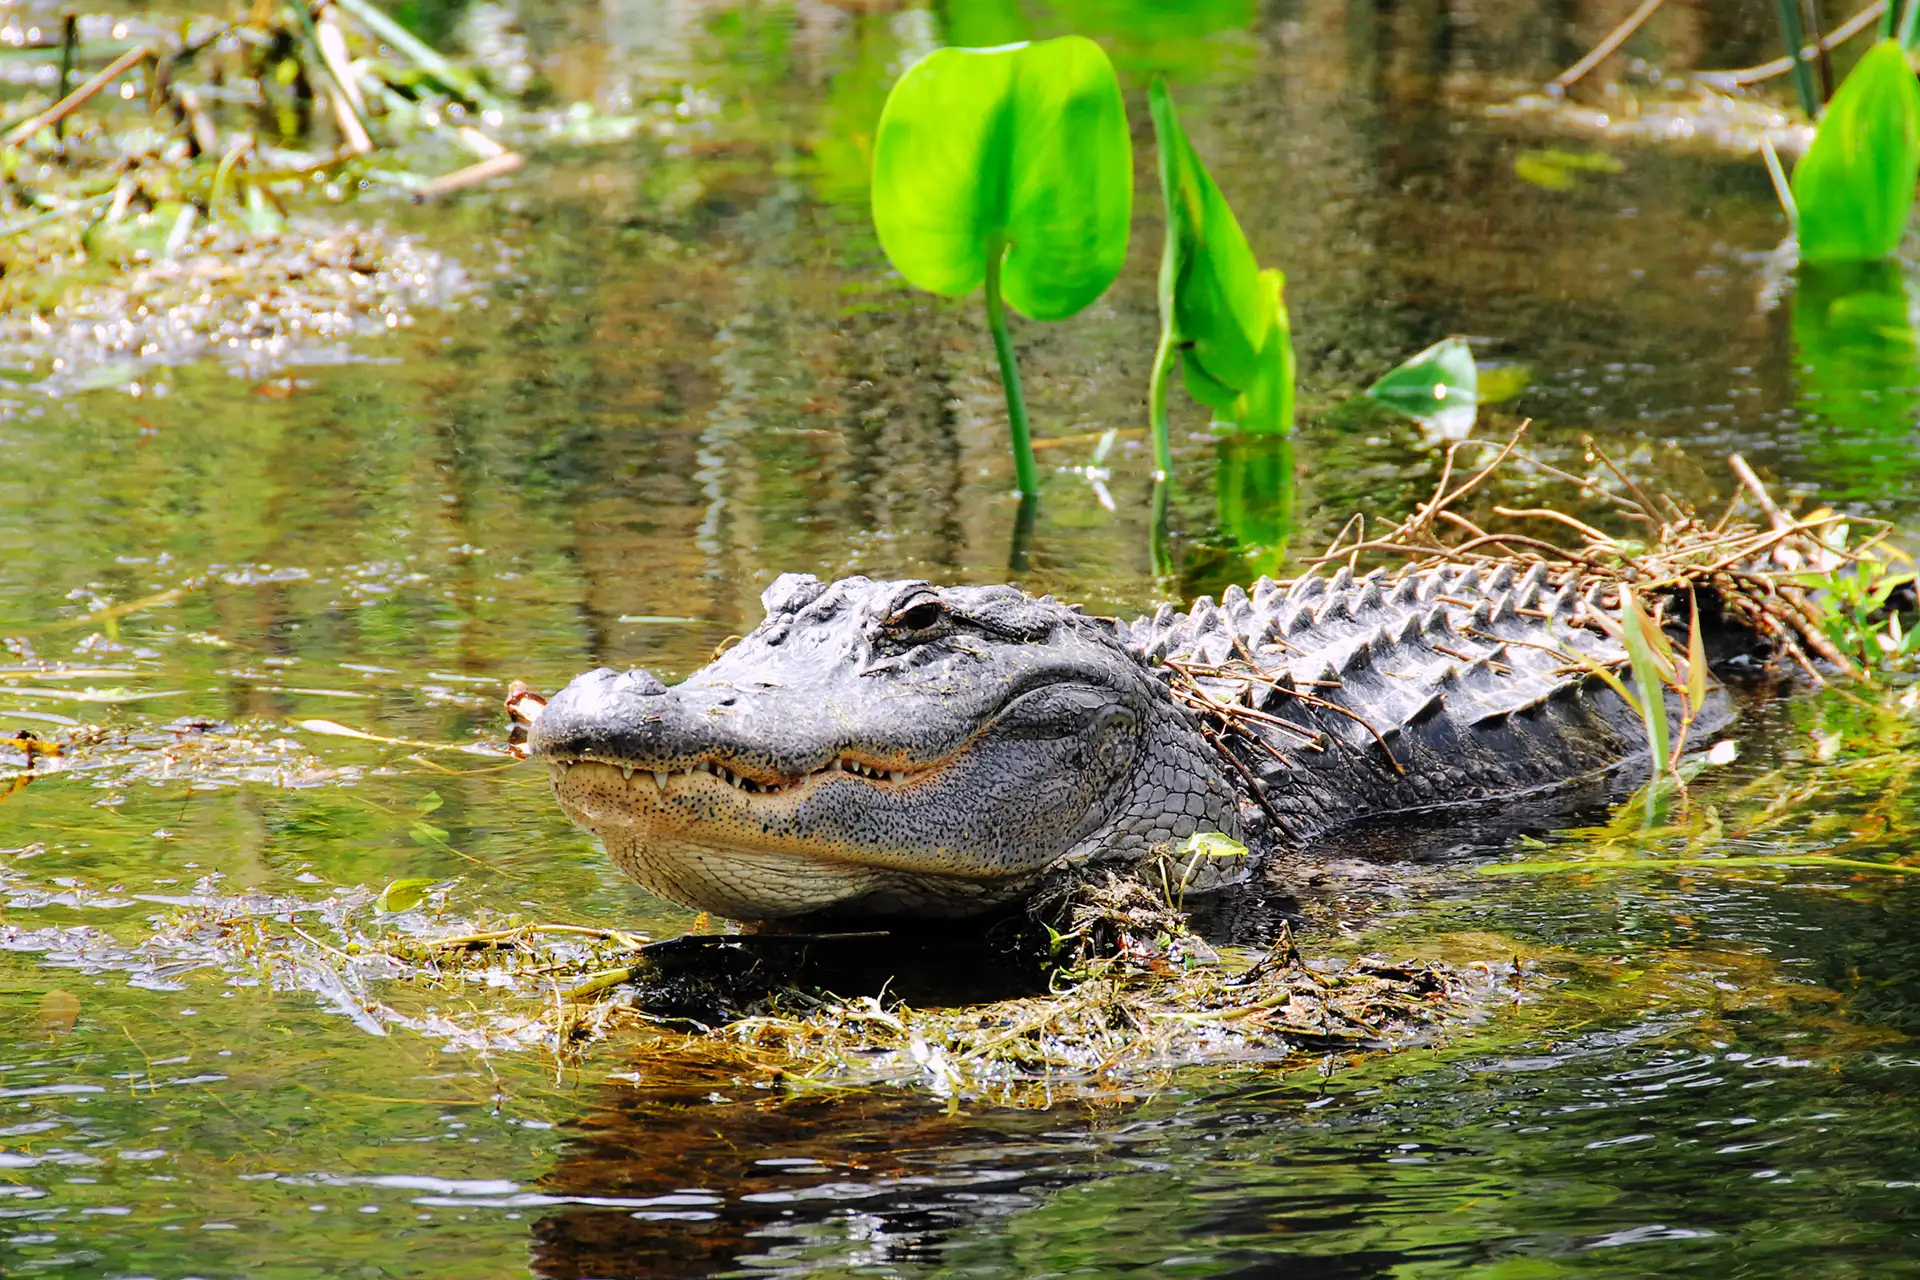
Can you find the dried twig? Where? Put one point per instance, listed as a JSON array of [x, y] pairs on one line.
[[1604, 50], [78, 98], [473, 175]]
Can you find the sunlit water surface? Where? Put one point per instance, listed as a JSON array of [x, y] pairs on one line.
[[686, 369]]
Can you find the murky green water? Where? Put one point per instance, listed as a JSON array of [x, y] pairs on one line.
[[683, 370]]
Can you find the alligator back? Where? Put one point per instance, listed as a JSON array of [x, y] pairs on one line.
[[1340, 699]]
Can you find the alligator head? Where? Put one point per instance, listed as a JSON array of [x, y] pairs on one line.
[[881, 748]]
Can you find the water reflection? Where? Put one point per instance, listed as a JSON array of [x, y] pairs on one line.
[[1859, 366]]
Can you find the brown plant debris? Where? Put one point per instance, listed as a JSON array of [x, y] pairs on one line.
[[1755, 572]]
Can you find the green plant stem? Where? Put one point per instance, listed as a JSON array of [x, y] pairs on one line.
[[1157, 404], [69, 46], [1020, 550], [1024, 468], [1159, 546], [421, 54], [1909, 17], [1796, 38]]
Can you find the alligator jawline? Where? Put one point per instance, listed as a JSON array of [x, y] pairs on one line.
[[840, 766]]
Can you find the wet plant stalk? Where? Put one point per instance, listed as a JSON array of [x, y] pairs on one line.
[[1157, 405], [69, 47], [1025, 470], [1796, 38], [1159, 546]]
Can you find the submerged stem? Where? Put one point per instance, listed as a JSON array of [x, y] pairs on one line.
[[1025, 471], [1157, 404]]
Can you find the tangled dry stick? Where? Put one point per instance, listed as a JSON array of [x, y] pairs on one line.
[[1753, 571]]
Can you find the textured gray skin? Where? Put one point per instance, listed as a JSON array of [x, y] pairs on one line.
[[897, 749]]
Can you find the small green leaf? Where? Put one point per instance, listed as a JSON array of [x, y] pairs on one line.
[[1696, 664], [1021, 151], [1556, 170], [428, 802], [1210, 286], [1855, 186], [1439, 380], [404, 895], [1649, 675], [1210, 844], [427, 836]]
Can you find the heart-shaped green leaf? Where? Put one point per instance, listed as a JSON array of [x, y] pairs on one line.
[[1854, 188], [1210, 285], [1019, 151]]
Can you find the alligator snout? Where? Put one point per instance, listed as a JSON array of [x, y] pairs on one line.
[[630, 719]]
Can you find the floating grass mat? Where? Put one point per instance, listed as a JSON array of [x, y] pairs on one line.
[[165, 188], [401, 960]]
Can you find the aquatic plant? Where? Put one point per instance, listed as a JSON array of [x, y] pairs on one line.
[[1440, 385], [1853, 191], [1862, 598], [1008, 169], [1221, 317]]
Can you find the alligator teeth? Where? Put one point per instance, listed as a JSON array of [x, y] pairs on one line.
[[626, 771], [660, 779]]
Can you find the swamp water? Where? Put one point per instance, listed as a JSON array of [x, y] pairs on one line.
[[683, 369]]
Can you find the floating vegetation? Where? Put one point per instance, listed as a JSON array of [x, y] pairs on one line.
[[163, 187], [255, 301], [1164, 999], [207, 753], [1690, 116]]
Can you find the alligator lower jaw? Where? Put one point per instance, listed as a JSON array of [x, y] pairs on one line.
[[696, 841]]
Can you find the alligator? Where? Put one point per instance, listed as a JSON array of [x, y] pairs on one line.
[[899, 749]]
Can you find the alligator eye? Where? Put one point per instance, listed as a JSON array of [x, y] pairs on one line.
[[919, 617]]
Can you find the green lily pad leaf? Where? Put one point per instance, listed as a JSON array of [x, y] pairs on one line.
[[1266, 406], [1210, 285], [1854, 188], [1019, 151], [1440, 386], [405, 895], [1217, 396]]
